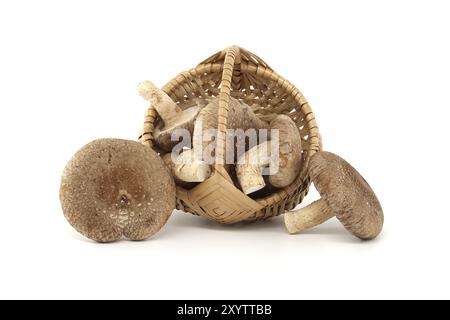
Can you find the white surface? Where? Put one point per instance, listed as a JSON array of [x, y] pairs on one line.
[[376, 75]]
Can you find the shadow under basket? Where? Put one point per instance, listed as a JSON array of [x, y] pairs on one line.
[[241, 74]]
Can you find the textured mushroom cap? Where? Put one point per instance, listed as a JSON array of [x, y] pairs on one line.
[[113, 188], [347, 194]]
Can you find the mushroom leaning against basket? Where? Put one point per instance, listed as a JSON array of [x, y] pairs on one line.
[[249, 166], [113, 188], [344, 194], [172, 115]]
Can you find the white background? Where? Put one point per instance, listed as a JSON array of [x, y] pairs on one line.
[[376, 73]]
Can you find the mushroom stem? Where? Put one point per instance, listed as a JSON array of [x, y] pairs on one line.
[[249, 166], [310, 216], [187, 168], [163, 104]]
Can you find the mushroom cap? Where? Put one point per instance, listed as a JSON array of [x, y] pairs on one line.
[[347, 194], [113, 188], [290, 152]]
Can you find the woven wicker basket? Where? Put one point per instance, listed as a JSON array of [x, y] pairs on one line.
[[241, 74]]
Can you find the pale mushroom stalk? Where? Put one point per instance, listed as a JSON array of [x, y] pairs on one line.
[[310, 216], [249, 167], [344, 194], [187, 168], [175, 119], [164, 105], [288, 153]]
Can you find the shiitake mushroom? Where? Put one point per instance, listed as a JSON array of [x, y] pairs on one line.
[[113, 188]]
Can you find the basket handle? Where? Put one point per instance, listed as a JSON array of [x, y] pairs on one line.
[[232, 56]]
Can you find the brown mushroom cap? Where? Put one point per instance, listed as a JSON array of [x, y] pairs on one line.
[[113, 188], [347, 194], [290, 153]]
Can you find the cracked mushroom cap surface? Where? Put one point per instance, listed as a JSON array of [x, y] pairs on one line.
[[113, 188], [347, 194]]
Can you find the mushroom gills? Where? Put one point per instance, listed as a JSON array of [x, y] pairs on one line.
[[177, 119]]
